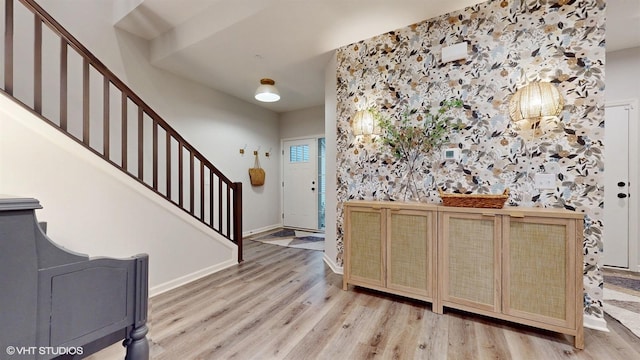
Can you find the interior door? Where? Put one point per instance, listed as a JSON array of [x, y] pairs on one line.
[[616, 187], [300, 184]]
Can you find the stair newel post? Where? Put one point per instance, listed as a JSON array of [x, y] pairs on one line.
[[8, 47], [237, 217]]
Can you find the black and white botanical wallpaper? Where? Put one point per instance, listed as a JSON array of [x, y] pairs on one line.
[[510, 43]]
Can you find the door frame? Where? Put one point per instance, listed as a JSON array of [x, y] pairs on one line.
[[634, 178], [282, 160]]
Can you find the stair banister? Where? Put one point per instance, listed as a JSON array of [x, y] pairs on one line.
[[229, 210]]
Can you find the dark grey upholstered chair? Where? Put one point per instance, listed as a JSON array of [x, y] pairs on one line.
[[54, 301]]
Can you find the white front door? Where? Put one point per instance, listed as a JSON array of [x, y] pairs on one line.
[[300, 185], [616, 187]]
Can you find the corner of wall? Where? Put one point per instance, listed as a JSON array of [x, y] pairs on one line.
[[332, 264], [595, 323]]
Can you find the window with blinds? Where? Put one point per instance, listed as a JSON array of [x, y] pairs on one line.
[[299, 153]]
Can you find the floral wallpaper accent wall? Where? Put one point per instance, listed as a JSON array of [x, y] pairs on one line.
[[510, 43]]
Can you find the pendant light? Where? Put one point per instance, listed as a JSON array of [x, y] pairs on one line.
[[267, 92]]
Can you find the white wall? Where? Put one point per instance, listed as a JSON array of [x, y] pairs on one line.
[[217, 125], [302, 123], [623, 75], [93, 208], [330, 103], [623, 84]]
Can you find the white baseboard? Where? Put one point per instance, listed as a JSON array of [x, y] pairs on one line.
[[620, 269], [262, 229], [332, 265], [595, 323], [170, 285]]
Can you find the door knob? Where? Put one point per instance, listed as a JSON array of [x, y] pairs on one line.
[[621, 184], [313, 189], [622, 196]]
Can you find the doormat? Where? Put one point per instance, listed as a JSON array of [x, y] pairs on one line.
[[622, 300], [625, 282], [292, 238]]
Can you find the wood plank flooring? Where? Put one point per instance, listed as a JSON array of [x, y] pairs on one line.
[[285, 303]]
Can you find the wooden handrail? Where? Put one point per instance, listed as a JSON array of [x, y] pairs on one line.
[[228, 223]]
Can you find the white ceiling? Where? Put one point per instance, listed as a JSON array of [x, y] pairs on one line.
[[230, 45]]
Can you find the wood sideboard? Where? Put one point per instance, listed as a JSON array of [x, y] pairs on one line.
[[517, 264]]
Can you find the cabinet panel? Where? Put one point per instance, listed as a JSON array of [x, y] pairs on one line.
[[409, 251], [471, 262], [538, 280], [365, 249]]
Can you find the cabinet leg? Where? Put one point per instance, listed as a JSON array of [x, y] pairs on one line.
[[437, 307], [579, 340]]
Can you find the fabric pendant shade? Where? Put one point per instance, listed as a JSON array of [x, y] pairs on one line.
[[364, 124], [535, 107], [534, 101]]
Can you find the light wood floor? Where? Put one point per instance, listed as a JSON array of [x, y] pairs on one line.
[[285, 303]]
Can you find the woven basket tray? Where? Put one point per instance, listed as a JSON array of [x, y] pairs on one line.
[[495, 201]]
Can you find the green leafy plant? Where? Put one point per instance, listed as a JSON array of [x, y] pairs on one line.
[[417, 132]]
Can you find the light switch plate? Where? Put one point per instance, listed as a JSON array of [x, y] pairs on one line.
[[545, 181]]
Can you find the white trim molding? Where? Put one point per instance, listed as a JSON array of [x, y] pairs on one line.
[[261, 230], [634, 179], [183, 280], [595, 323], [332, 265]]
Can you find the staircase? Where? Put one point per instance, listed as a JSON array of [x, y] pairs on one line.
[[91, 105]]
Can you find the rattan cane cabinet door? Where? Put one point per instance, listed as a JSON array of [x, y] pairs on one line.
[[364, 236], [469, 256], [539, 277], [410, 252]]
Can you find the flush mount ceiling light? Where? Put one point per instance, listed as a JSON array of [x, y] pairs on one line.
[[267, 92]]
